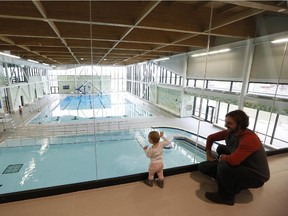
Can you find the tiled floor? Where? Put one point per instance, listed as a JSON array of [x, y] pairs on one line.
[[182, 195]]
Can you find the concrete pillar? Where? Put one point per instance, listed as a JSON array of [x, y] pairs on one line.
[[248, 59], [183, 87]]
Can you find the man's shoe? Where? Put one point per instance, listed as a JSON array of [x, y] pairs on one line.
[[217, 198], [148, 182], [237, 190], [160, 183]]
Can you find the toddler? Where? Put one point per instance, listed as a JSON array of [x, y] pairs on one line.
[[155, 153]]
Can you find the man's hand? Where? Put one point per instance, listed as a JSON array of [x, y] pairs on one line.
[[209, 155]]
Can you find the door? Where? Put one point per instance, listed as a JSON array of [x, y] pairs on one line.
[[209, 113], [22, 100]]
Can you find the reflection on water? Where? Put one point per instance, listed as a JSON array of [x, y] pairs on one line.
[[28, 171]]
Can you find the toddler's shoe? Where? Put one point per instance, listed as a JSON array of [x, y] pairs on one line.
[[148, 182], [160, 183]]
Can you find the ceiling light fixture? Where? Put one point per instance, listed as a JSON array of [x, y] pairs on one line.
[[12, 56], [282, 40], [45, 64], [161, 59], [211, 53], [30, 60]]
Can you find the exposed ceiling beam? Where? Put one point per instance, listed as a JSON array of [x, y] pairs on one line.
[[25, 48], [42, 10], [226, 8], [141, 16], [218, 24], [260, 6], [50, 21], [201, 4], [140, 31], [232, 19]]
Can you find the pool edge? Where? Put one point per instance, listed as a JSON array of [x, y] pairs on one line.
[[70, 188]]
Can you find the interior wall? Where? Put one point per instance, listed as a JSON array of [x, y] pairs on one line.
[[176, 64], [223, 66], [2, 95], [267, 63], [187, 103], [153, 93], [165, 97], [2, 77]]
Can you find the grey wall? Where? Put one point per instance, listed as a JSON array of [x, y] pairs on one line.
[[269, 63], [176, 64], [223, 66]]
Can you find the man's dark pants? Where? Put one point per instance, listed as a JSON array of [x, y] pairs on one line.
[[230, 179]]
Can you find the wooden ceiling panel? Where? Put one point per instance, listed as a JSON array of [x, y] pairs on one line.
[[134, 46], [107, 32], [19, 8], [241, 29], [151, 36], [175, 49], [11, 48], [121, 51], [71, 30], [49, 49], [178, 16], [67, 10], [117, 12], [87, 43], [37, 41], [124, 32], [81, 49], [84, 42], [21, 27], [200, 41]]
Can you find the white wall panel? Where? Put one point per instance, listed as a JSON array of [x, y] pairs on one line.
[[223, 66], [267, 63], [176, 64]]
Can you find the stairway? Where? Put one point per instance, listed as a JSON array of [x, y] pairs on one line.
[[9, 124]]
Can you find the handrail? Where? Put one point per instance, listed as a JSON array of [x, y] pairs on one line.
[[59, 134], [44, 131]]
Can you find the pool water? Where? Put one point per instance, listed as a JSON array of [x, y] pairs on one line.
[[88, 107], [61, 160]]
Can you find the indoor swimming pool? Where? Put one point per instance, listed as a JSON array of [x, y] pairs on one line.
[[36, 163], [77, 108]]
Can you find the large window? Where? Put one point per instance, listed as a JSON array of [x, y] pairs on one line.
[[253, 115], [265, 126], [139, 78], [229, 86], [103, 78], [267, 89], [281, 135], [212, 107], [222, 111], [219, 85]]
